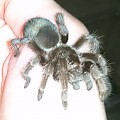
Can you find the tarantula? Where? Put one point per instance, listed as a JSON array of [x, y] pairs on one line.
[[67, 64]]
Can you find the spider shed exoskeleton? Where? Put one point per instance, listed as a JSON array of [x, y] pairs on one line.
[[67, 64]]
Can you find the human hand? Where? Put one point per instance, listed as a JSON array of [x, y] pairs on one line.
[[18, 103]]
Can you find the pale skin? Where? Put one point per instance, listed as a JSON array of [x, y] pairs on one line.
[[17, 103]]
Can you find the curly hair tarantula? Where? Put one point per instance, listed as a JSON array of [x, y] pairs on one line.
[[65, 63]]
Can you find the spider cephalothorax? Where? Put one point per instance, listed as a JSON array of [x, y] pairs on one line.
[[67, 64]]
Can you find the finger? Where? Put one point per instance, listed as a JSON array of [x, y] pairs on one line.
[[5, 35]]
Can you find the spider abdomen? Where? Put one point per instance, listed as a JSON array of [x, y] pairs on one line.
[[43, 32]]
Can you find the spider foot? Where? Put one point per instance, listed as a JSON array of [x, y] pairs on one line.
[[87, 79], [27, 82], [15, 47], [104, 87], [65, 104], [103, 94], [16, 52], [64, 99], [89, 85], [76, 85], [40, 94]]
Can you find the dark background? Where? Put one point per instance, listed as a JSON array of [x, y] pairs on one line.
[[103, 17]]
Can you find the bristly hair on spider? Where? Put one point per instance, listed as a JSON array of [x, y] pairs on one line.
[[67, 64]]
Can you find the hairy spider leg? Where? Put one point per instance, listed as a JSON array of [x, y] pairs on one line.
[[16, 42], [91, 59], [79, 42], [102, 81], [99, 72], [62, 27], [91, 39], [63, 78], [48, 69], [27, 69], [86, 74]]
